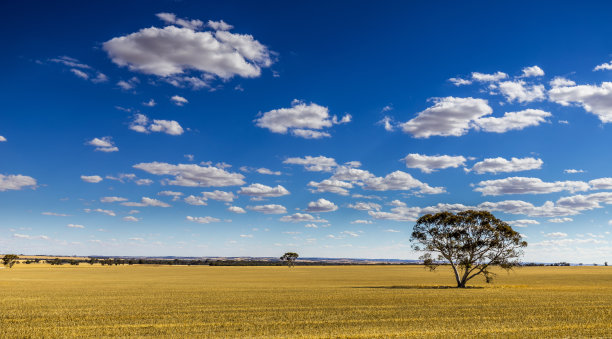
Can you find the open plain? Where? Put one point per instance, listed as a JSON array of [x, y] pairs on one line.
[[38, 300]]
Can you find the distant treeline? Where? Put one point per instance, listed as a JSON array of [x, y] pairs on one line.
[[193, 262]]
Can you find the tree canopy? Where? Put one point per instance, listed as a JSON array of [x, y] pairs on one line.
[[9, 260], [289, 258], [470, 241]]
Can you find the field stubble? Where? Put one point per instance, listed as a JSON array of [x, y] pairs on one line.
[[332, 301]]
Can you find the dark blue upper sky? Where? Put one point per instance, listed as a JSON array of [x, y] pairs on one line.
[[503, 106]]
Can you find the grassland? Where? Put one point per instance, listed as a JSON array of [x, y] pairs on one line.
[[337, 301]]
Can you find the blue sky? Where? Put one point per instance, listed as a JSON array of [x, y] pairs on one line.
[[241, 128]]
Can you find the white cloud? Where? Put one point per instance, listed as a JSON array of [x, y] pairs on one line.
[[556, 235], [321, 205], [131, 218], [601, 184], [365, 206], [144, 202], [397, 203], [175, 195], [314, 164], [70, 62], [142, 124], [603, 67], [560, 220], [331, 186], [390, 230], [301, 217], [94, 179], [75, 226], [150, 103], [533, 71], [172, 51], [220, 196], [483, 77], [104, 144], [499, 165], [219, 25], [594, 99], [143, 182], [112, 199], [99, 210], [561, 82], [197, 201], [448, 116], [263, 191], [2, 139], [192, 175], [301, 119], [430, 163], [573, 171], [525, 185], [460, 82], [179, 100], [171, 19], [345, 173], [236, 209], [269, 209], [55, 214], [267, 171], [520, 91], [513, 121], [79, 73], [388, 123], [522, 222], [16, 182], [401, 181], [359, 221], [125, 85], [202, 220]]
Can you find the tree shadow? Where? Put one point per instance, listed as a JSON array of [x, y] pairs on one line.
[[419, 287]]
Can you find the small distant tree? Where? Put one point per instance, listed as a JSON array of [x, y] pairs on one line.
[[470, 241], [606, 263], [289, 258], [9, 260]]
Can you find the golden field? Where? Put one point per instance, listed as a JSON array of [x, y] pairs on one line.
[[38, 300]]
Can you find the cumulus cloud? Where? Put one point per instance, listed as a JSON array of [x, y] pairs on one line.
[[525, 185], [202, 220], [179, 100], [520, 91], [460, 82], [219, 25], [360, 221], [263, 191], [175, 195], [301, 217], [321, 205], [75, 226], [220, 196], [601, 184], [192, 175], [197, 201], [573, 171], [174, 51], [499, 165], [331, 186], [561, 82], [267, 171], [144, 202], [2, 139], [483, 77], [314, 164], [112, 199], [400, 181], [301, 119], [556, 235], [131, 218], [236, 209], [269, 209], [104, 144], [522, 222], [431, 163], [16, 182], [603, 67], [594, 99], [94, 179], [142, 124], [99, 210], [513, 121], [346, 173], [365, 206], [560, 220], [448, 116], [533, 71]]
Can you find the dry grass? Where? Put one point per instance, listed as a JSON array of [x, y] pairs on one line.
[[340, 302]]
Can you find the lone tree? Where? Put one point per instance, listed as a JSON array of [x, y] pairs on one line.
[[470, 241], [9, 260], [289, 258]]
